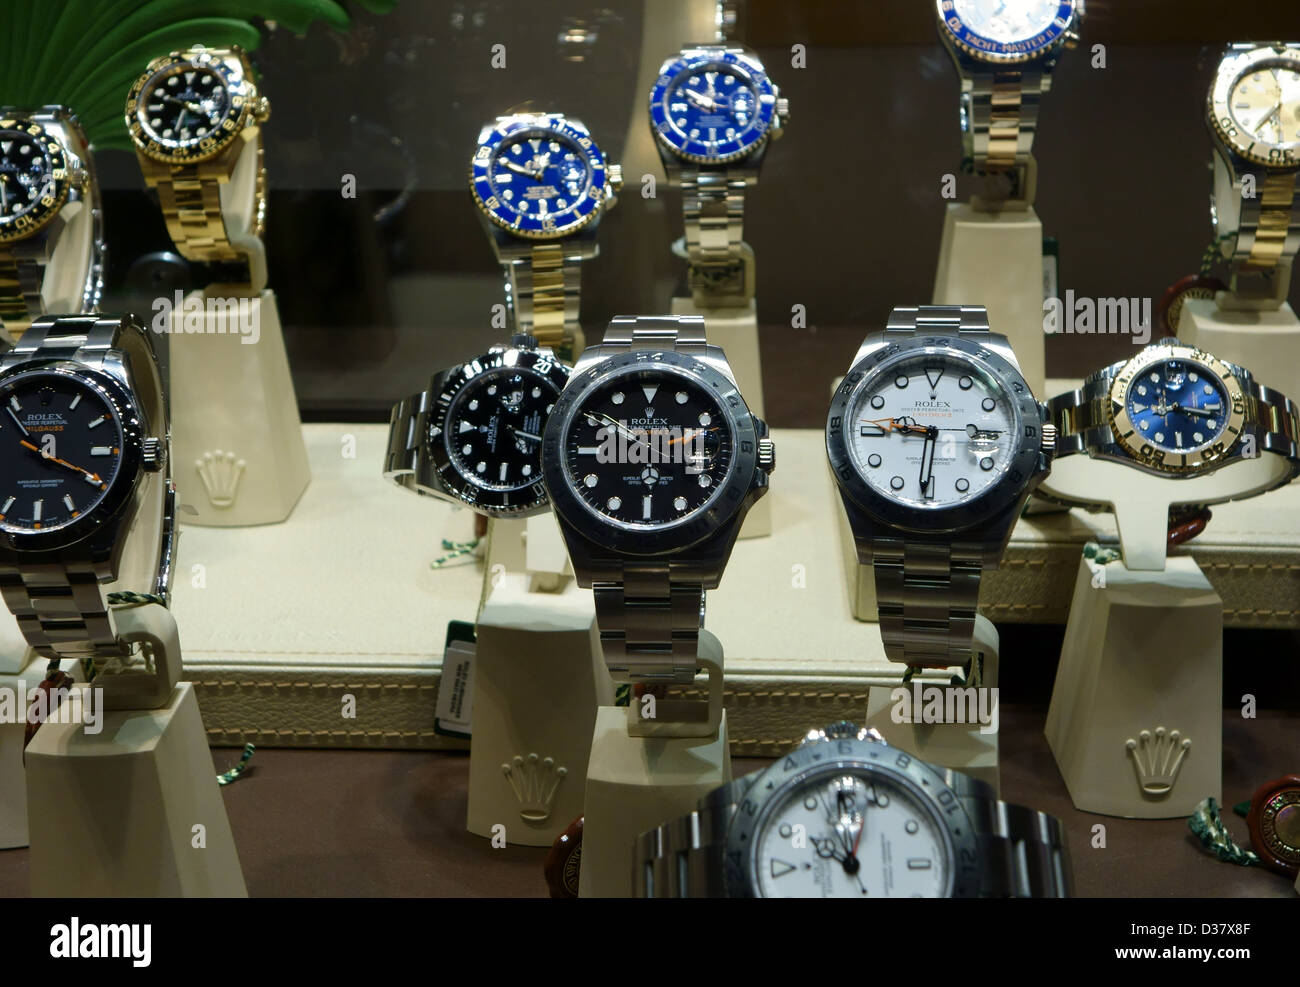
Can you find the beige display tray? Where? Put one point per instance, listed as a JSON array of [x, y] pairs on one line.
[[281, 623]]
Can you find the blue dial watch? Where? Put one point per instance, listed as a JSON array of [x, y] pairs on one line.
[[713, 112], [541, 184]]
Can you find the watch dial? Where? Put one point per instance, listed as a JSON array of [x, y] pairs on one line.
[[649, 448], [184, 104], [494, 428], [853, 834], [1177, 406], [714, 104], [31, 167], [1007, 21], [1265, 103], [60, 448], [931, 431], [542, 174]]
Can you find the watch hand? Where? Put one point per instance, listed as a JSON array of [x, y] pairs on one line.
[[904, 424], [620, 428], [1195, 412], [524, 435], [62, 462], [21, 428], [700, 99], [522, 170], [927, 460]]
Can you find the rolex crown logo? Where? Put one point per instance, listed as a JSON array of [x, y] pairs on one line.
[[220, 473], [649, 413], [535, 781], [1157, 759]]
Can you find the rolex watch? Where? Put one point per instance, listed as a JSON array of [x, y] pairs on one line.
[[86, 496], [1176, 411], [50, 215], [474, 436], [936, 441], [845, 815], [1005, 54], [541, 185], [713, 112], [1253, 112], [192, 114], [652, 461]]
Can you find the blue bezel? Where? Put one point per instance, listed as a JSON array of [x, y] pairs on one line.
[[1022, 50], [698, 150], [537, 227]]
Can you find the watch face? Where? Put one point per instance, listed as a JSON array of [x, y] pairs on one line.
[[933, 430], [538, 176], [1255, 105], [864, 834], [1006, 30], [713, 106], [649, 448], [188, 109], [1176, 408], [487, 435], [33, 178], [62, 446]]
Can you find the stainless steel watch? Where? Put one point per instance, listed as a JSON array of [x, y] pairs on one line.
[[1253, 113], [86, 497], [1005, 58], [713, 112], [542, 185], [652, 461], [1178, 411], [49, 191], [474, 435], [936, 441], [847, 816]]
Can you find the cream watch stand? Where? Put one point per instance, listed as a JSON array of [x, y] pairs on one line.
[[539, 676], [20, 673], [1136, 720], [644, 772], [236, 436], [133, 810]]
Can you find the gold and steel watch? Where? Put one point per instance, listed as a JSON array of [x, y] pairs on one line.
[[1253, 112], [193, 115], [541, 185], [51, 223]]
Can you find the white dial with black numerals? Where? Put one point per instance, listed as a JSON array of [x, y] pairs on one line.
[[931, 431], [1006, 21], [851, 833], [648, 448]]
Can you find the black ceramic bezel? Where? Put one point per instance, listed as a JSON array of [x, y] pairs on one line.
[[119, 494], [847, 756], [997, 497], [685, 532], [494, 503]]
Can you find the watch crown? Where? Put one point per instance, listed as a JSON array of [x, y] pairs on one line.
[[262, 109], [153, 455], [1071, 39], [616, 178], [783, 108], [1049, 438], [766, 455]]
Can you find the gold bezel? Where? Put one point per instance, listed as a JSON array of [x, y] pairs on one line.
[[1231, 68], [44, 211], [1190, 461], [236, 72]]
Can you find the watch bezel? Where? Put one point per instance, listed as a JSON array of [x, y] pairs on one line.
[[42, 213], [985, 49], [1022, 467], [704, 521], [495, 134], [241, 94], [1206, 457], [493, 503], [690, 149], [853, 756], [129, 416], [1231, 68]]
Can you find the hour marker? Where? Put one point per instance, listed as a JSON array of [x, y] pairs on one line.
[[473, 405], [918, 863], [8, 504], [101, 450], [963, 485], [1208, 389], [964, 383], [1212, 422], [38, 507], [986, 463], [1193, 376], [1144, 425], [645, 507], [873, 460], [590, 480], [896, 483], [1141, 389], [67, 502], [900, 381], [492, 389], [682, 397], [588, 450], [877, 402], [1160, 436], [75, 401], [93, 480], [705, 479], [1155, 378], [527, 469], [1178, 439], [988, 404], [705, 418], [617, 397], [466, 449], [1138, 407], [649, 390], [481, 468], [780, 868], [614, 503], [932, 374], [465, 427], [911, 827], [1198, 437], [680, 503], [501, 474]]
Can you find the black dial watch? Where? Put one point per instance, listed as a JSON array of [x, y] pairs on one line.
[[474, 436]]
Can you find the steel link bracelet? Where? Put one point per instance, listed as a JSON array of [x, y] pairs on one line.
[[713, 213]]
